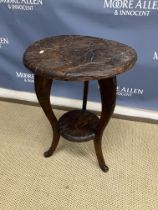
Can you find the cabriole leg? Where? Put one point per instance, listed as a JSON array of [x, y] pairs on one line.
[[42, 89], [108, 100]]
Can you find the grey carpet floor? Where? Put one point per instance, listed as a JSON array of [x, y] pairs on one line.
[[71, 178]]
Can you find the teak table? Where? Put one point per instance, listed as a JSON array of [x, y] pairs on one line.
[[78, 58]]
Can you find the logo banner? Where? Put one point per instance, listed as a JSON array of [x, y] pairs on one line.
[[132, 22]]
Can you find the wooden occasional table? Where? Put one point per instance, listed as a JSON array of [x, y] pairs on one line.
[[78, 58]]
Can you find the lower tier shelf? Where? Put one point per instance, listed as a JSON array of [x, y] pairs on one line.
[[78, 125]]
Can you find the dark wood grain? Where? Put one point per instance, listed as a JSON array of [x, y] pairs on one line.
[[108, 99], [78, 58], [78, 125], [43, 88]]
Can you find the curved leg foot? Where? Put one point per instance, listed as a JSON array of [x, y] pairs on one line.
[[100, 157], [108, 99], [99, 154], [49, 152], [43, 88]]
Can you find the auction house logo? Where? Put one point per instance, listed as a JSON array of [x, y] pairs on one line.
[[126, 91], [3, 41], [155, 57], [132, 7], [26, 5], [26, 77]]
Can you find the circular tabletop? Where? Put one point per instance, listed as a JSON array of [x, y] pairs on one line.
[[74, 57]]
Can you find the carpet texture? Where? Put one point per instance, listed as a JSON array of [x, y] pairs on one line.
[[71, 179]]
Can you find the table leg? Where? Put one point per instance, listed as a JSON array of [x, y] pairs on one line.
[[108, 99], [42, 89], [85, 95]]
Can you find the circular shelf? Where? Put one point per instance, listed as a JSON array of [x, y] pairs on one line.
[[78, 125]]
